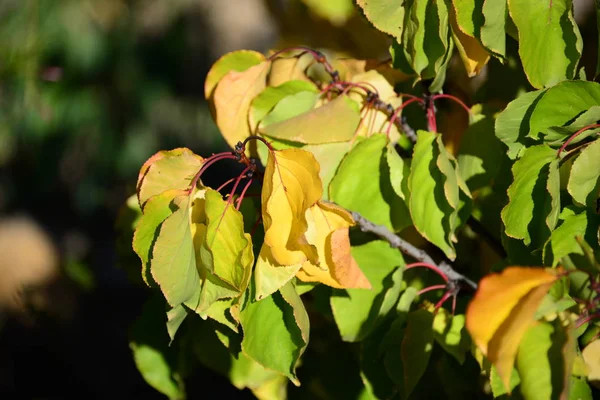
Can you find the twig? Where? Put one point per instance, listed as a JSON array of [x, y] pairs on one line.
[[418, 254]]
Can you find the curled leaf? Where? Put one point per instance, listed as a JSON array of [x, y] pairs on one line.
[[328, 230], [503, 309], [291, 186]]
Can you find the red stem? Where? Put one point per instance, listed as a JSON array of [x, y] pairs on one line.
[[573, 136], [430, 266], [241, 198], [454, 98], [226, 183], [430, 288], [207, 163], [397, 112]]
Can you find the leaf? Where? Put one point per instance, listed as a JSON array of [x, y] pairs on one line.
[[498, 386], [434, 192], [358, 312], [527, 194], [580, 390], [503, 309], [512, 125], [338, 118], [584, 180], [474, 56], [591, 356], [550, 44], [157, 209], [173, 257], [289, 107], [269, 276], [232, 98], [563, 240], [286, 69], [148, 341], [556, 135], [335, 11], [362, 184], [229, 249], [271, 96], [291, 186], [561, 104], [416, 348], [167, 170], [543, 369], [238, 61], [175, 317], [492, 33], [290, 296], [449, 331], [397, 171], [328, 231], [387, 16], [272, 336]]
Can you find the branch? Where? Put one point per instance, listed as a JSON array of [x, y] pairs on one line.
[[420, 255]]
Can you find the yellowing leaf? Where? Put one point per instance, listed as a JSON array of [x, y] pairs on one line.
[[288, 69], [502, 310], [173, 169], [269, 277], [328, 230], [232, 99], [291, 186], [591, 356], [472, 53]]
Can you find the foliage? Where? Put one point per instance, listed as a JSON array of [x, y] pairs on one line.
[[255, 261]]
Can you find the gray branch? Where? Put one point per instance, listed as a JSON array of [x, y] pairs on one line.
[[420, 255]]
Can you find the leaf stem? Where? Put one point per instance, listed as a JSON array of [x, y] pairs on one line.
[[573, 136], [207, 163]]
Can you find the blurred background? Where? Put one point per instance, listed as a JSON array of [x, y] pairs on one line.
[[88, 91]]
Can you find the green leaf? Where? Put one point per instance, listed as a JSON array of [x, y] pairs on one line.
[[528, 194], [175, 317], [157, 209], [512, 125], [271, 96], [557, 134], [385, 15], [434, 192], [466, 11], [561, 104], [269, 276], [290, 106], [541, 362], [584, 181], [335, 121], [580, 390], [493, 33], [358, 312], [229, 249], [362, 184], [397, 171], [173, 257], [426, 37], [449, 331], [480, 154], [167, 170], [272, 336], [498, 388], [416, 348], [239, 60], [550, 44], [291, 296], [563, 240], [335, 11], [152, 355]]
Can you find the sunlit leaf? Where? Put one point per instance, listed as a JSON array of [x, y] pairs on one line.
[[563, 240], [271, 96], [584, 180], [449, 331], [239, 61], [362, 184], [387, 16], [328, 227], [291, 186], [472, 53], [493, 33], [591, 355], [157, 209], [335, 121], [497, 384], [550, 44], [398, 171], [232, 98], [335, 11], [535, 183], [358, 312], [175, 317], [503, 309], [269, 276], [166, 170], [229, 248], [286, 69], [289, 107], [272, 337]]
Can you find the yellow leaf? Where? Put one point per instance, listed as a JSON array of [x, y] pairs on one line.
[[232, 99], [472, 53], [591, 356], [502, 310], [288, 69], [269, 277], [291, 186], [328, 230]]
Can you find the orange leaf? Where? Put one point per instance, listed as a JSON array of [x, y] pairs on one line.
[[291, 186], [502, 310], [232, 99], [328, 231]]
